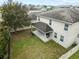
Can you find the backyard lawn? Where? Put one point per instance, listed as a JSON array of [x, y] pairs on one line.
[[27, 46], [75, 56]]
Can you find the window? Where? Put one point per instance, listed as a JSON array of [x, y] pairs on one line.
[[50, 22], [55, 35], [61, 38], [78, 35], [66, 27]]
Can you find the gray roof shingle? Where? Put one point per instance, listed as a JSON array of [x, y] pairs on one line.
[[42, 26], [64, 14]]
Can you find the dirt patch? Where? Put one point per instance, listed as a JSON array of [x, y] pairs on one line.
[[21, 35]]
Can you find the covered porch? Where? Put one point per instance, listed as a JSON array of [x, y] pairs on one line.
[[43, 31]]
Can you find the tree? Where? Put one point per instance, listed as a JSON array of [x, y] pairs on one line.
[[2, 45], [15, 15], [4, 42]]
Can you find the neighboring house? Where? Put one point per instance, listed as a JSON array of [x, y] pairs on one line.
[[66, 6], [33, 14], [60, 25]]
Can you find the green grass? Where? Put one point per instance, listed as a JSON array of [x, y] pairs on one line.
[[75, 56], [27, 46]]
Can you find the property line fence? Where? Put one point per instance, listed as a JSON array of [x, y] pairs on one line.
[[20, 29], [70, 52]]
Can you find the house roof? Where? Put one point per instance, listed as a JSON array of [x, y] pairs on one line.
[[32, 14], [43, 27], [64, 14]]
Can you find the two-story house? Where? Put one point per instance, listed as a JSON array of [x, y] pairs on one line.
[[60, 25], [33, 14]]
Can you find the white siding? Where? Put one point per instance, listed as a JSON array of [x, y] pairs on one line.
[[44, 20], [58, 27], [74, 31]]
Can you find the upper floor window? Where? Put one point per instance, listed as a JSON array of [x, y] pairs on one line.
[[55, 35], [61, 38], [66, 27], [50, 22], [78, 35], [38, 18]]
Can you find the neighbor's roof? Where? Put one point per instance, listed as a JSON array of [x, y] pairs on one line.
[[70, 15], [32, 14], [43, 27]]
